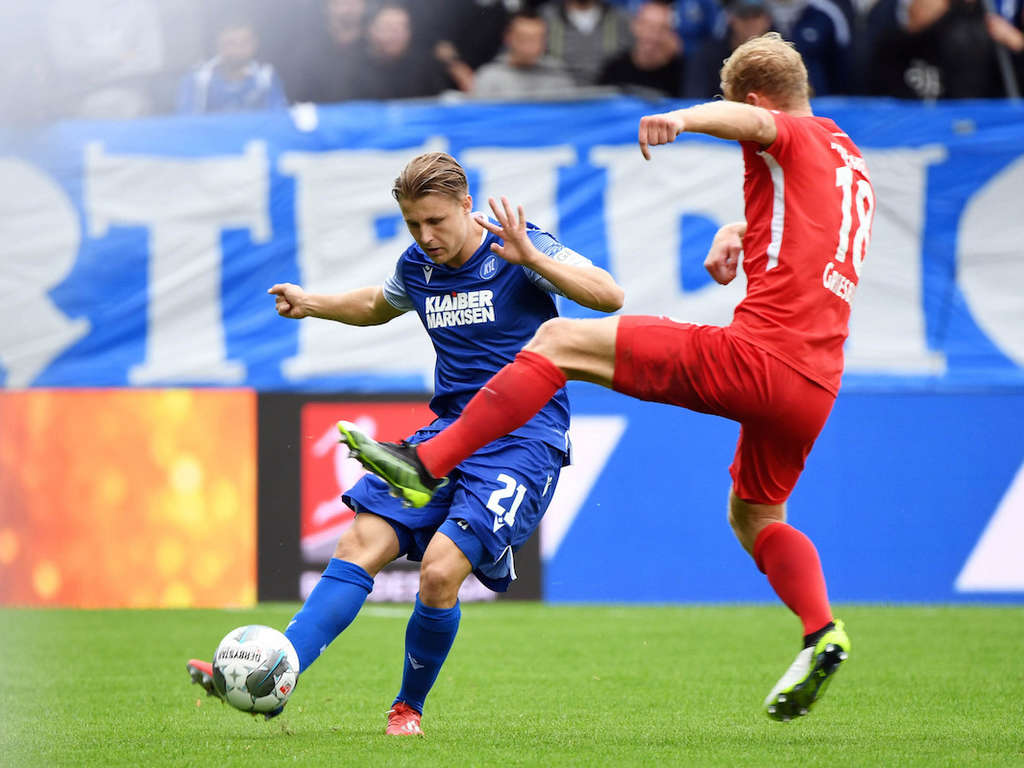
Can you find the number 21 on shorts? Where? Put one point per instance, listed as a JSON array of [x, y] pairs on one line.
[[511, 489]]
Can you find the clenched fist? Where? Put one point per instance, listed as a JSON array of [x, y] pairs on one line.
[[289, 300], [723, 257], [658, 129]]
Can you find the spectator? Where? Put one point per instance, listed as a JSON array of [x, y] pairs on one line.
[[1006, 28], [105, 55], [930, 49], [466, 31], [655, 61], [394, 68], [459, 73], [523, 70], [699, 22], [328, 63], [820, 30], [744, 19], [233, 80], [583, 34]]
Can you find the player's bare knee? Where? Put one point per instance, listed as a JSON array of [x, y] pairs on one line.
[[551, 338], [349, 545], [439, 585], [738, 521], [734, 519], [367, 544], [748, 519]]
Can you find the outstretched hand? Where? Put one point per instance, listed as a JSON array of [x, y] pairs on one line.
[[511, 228], [658, 129], [289, 300]]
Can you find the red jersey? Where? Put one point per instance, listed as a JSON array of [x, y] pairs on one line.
[[808, 205]]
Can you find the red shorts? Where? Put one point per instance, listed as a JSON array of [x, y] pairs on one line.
[[706, 368]]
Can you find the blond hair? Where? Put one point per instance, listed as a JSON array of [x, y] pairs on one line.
[[767, 65], [431, 173]]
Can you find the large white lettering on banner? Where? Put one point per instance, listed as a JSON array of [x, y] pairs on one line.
[[339, 198], [990, 256], [527, 176], [889, 294], [40, 235], [704, 180], [185, 204], [644, 205], [314, 207]]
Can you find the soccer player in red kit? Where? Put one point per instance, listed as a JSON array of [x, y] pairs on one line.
[[775, 369]]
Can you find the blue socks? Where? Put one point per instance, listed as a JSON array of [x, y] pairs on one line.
[[428, 638], [334, 603], [330, 607]]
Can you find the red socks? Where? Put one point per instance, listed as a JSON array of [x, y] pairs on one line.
[[511, 398], [790, 561]]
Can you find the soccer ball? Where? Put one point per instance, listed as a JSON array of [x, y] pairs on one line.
[[255, 668]]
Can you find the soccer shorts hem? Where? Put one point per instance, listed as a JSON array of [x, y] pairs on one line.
[[709, 369], [499, 494]]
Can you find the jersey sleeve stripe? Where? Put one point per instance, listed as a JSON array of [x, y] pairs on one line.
[[778, 208], [395, 293]]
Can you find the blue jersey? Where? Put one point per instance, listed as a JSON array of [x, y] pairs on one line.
[[207, 90], [478, 316], [820, 30]]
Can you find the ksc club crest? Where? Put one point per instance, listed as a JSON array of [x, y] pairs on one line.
[[489, 268]]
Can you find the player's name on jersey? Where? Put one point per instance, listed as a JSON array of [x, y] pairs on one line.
[[465, 308], [850, 160], [839, 284]]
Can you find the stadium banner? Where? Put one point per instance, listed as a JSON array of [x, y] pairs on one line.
[[303, 473], [123, 498], [139, 254]]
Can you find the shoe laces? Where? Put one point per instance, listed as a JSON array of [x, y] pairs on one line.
[[403, 711], [401, 447]]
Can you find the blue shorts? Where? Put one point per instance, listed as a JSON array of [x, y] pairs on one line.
[[493, 502]]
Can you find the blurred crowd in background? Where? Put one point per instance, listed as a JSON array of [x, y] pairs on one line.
[[119, 59]]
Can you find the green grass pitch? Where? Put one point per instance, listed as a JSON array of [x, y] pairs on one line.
[[525, 684]]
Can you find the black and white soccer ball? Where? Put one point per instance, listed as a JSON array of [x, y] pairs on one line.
[[255, 668]]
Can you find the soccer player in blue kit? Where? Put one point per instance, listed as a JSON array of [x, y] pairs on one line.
[[481, 288]]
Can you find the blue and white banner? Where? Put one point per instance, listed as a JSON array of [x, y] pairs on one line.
[[140, 253]]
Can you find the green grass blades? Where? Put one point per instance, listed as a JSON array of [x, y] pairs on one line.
[[525, 685]]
